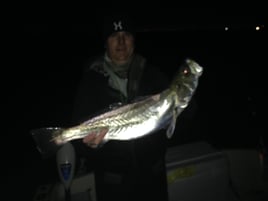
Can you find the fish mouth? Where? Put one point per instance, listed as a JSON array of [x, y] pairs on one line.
[[194, 67]]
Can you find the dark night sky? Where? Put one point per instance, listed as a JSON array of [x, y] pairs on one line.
[[230, 96]]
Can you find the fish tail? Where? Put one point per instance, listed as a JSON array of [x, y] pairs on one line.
[[45, 140]]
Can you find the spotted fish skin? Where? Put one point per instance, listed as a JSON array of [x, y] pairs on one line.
[[141, 117]]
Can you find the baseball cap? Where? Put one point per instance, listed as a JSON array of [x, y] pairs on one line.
[[116, 23]]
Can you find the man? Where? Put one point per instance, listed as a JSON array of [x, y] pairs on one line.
[[124, 170]]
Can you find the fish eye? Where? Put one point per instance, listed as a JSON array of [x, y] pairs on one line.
[[185, 71]]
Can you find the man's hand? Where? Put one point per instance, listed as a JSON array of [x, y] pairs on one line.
[[95, 138]]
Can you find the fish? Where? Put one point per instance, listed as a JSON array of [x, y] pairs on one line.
[[139, 118]]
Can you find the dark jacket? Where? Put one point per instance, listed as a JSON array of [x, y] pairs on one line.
[[124, 170]]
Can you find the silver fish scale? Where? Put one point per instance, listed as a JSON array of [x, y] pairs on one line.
[[120, 122], [117, 121], [141, 121]]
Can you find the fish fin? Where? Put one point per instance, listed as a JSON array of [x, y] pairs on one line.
[[98, 140], [172, 125], [43, 138]]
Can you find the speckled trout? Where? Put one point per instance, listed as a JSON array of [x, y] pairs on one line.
[[133, 120]]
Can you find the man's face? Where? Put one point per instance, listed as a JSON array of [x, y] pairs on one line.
[[120, 46]]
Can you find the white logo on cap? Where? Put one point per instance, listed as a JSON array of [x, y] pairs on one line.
[[118, 26]]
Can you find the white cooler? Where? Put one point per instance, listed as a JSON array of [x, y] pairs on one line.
[[198, 172]]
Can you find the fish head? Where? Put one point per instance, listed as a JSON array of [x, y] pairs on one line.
[[189, 71], [186, 80], [193, 68]]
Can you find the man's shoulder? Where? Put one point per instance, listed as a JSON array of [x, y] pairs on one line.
[[154, 76], [154, 69], [147, 64]]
